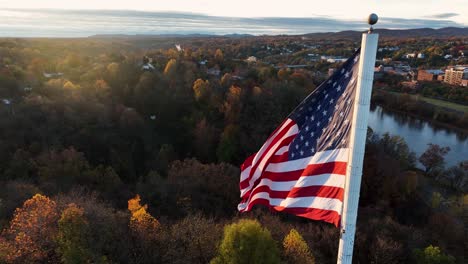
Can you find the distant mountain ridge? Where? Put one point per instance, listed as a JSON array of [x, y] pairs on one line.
[[347, 34], [398, 33]]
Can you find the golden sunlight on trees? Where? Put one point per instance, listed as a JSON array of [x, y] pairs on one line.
[[247, 242], [219, 56], [170, 68], [144, 232], [72, 235], [295, 249], [232, 105], [101, 85], [32, 231], [201, 89], [141, 221], [69, 85], [257, 91]]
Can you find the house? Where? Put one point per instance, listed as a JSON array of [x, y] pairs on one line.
[[52, 75], [429, 75], [251, 59], [421, 56], [409, 55], [148, 67], [213, 71]]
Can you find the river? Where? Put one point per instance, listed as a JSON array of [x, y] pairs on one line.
[[419, 133]]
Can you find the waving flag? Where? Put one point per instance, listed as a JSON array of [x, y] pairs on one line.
[[301, 168]]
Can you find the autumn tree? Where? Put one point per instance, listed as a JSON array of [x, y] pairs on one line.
[[144, 228], [141, 221], [201, 89], [296, 250], [205, 137], [210, 188], [197, 236], [433, 157], [32, 231], [72, 235], [219, 56], [283, 74], [170, 68], [247, 242]]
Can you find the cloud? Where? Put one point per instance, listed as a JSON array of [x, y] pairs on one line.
[[443, 15], [403, 23], [68, 23]]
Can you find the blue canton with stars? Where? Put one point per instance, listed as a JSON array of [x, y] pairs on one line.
[[324, 117]]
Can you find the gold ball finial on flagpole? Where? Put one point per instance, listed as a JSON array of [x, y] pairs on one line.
[[372, 20]]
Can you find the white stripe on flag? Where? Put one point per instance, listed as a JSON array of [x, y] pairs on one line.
[[331, 180], [301, 202], [335, 155]]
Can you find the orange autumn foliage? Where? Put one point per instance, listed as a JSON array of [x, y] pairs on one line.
[[141, 221], [31, 233]]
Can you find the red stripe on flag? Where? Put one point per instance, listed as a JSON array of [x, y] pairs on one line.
[[309, 191], [245, 183], [279, 137], [329, 216], [312, 169]]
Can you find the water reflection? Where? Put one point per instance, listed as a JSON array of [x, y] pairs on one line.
[[418, 133]]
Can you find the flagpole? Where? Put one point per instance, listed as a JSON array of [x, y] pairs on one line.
[[357, 143]]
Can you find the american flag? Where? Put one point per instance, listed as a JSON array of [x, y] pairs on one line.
[[301, 168]]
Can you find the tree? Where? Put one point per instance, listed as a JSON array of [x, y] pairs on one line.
[[32, 231], [296, 250], [205, 137], [228, 145], [457, 177], [433, 157], [247, 242], [283, 74], [72, 236], [170, 68], [141, 221], [144, 230], [219, 56], [196, 236], [432, 255], [69, 85], [201, 89]]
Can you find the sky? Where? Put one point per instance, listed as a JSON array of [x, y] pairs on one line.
[[451, 10]]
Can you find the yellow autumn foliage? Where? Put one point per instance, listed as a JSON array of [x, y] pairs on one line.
[[141, 221]]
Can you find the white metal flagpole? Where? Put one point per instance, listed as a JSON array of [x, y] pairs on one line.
[[357, 143]]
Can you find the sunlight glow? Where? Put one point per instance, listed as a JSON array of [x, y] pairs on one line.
[[350, 9]]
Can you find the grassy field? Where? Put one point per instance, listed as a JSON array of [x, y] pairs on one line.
[[441, 103]]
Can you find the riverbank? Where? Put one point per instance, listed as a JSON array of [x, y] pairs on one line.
[[463, 131], [415, 107], [436, 102], [418, 133]]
